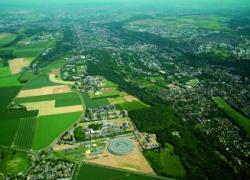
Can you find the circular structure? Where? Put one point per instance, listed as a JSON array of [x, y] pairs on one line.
[[120, 146]]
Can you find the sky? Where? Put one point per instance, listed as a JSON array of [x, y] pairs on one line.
[[225, 4]]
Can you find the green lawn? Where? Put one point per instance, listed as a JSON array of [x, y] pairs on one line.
[[13, 162], [242, 121], [50, 127], [88, 171], [64, 99], [166, 162], [7, 38]]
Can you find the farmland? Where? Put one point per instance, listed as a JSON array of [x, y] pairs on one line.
[[25, 133], [7, 94], [64, 99], [7, 38], [91, 103], [8, 129], [53, 126], [87, 171], [242, 121], [38, 82]]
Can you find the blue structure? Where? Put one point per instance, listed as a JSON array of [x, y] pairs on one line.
[[120, 146]]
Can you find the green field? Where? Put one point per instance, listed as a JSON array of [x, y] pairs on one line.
[[109, 84], [134, 105], [8, 129], [4, 71], [92, 103], [166, 162], [25, 133], [11, 126], [13, 162], [112, 93], [38, 82], [10, 81], [27, 53], [7, 94], [7, 38], [186, 22], [87, 171], [242, 121], [64, 99], [50, 127]]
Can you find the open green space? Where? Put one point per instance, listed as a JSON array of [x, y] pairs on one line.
[[186, 22], [7, 38], [12, 127], [64, 99], [7, 94], [4, 71], [92, 103], [88, 171], [242, 121], [38, 82], [26, 76], [109, 84], [8, 129], [13, 162], [166, 162], [112, 92], [25, 133], [50, 127], [10, 81], [134, 105], [21, 53]]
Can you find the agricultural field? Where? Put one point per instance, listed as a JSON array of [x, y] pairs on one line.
[[166, 162], [92, 103], [38, 82], [239, 119], [13, 162], [7, 38], [10, 81], [88, 171], [186, 22], [63, 99], [106, 92], [4, 70], [8, 129], [134, 105], [11, 125], [50, 127], [25, 133], [7, 94]]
